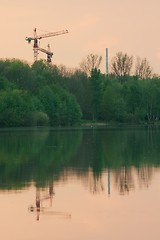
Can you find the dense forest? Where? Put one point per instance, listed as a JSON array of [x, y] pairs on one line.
[[45, 94]]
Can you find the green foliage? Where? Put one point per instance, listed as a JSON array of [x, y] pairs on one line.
[[113, 105], [29, 97], [152, 99], [18, 72], [133, 101], [15, 108], [45, 73], [79, 85], [44, 94], [5, 84], [97, 94], [61, 107], [36, 155], [37, 118]]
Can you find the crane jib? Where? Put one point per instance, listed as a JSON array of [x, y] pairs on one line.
[[36, 48]]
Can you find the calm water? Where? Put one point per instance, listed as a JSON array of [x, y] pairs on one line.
[[80, 184]]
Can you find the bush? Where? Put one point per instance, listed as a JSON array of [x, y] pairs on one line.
[[37, 119]]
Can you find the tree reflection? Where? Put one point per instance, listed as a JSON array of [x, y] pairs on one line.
[[38, 156], [35, 155], [124, 180], [145, 174], [94, 182]]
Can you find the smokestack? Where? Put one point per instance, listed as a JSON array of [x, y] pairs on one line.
[[106, 61]]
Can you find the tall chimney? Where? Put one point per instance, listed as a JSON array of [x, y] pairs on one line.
[[106, 61]]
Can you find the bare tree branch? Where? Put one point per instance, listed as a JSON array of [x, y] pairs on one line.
[[92, 61], [121, 65], [143, 69]]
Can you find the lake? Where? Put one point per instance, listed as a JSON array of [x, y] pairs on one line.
[[80, 184]]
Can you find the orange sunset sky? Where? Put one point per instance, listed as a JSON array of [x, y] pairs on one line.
[[119, 25]]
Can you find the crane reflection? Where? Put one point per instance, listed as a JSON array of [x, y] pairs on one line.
[[38, 207]]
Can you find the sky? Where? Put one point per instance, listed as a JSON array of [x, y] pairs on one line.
[[132, 27]]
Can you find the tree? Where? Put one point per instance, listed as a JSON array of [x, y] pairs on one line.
[[5, 84], [97, 92], [133, 92], [17, 107], [152, 100], [79, 85], [91, 62], [113, 104], [121, 65], [143, 69], [61, 107], [18, 73]]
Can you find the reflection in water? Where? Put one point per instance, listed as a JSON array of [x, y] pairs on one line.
[[27, 156], [83, 167], [124, 180], [93, 182], [109, 182], [38, 208], [145, 174], [126, 177]]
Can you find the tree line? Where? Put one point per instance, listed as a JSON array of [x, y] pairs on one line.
[[29, 96], [44, 94], [125, 94]]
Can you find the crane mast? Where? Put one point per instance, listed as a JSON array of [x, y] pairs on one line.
[[36, 47]]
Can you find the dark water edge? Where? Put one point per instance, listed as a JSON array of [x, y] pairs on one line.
[[88, 125]]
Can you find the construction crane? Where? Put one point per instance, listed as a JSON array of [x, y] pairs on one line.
[[48, 52], [35, 39]]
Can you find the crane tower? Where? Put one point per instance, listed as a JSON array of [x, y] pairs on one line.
[[48, 52], [36, 38]]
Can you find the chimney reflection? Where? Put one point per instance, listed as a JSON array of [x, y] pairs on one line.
[[109, 183]]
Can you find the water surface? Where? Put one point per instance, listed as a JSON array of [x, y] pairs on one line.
[[80, 184]]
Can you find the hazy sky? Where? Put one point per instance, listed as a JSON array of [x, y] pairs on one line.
[[121, 25]]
